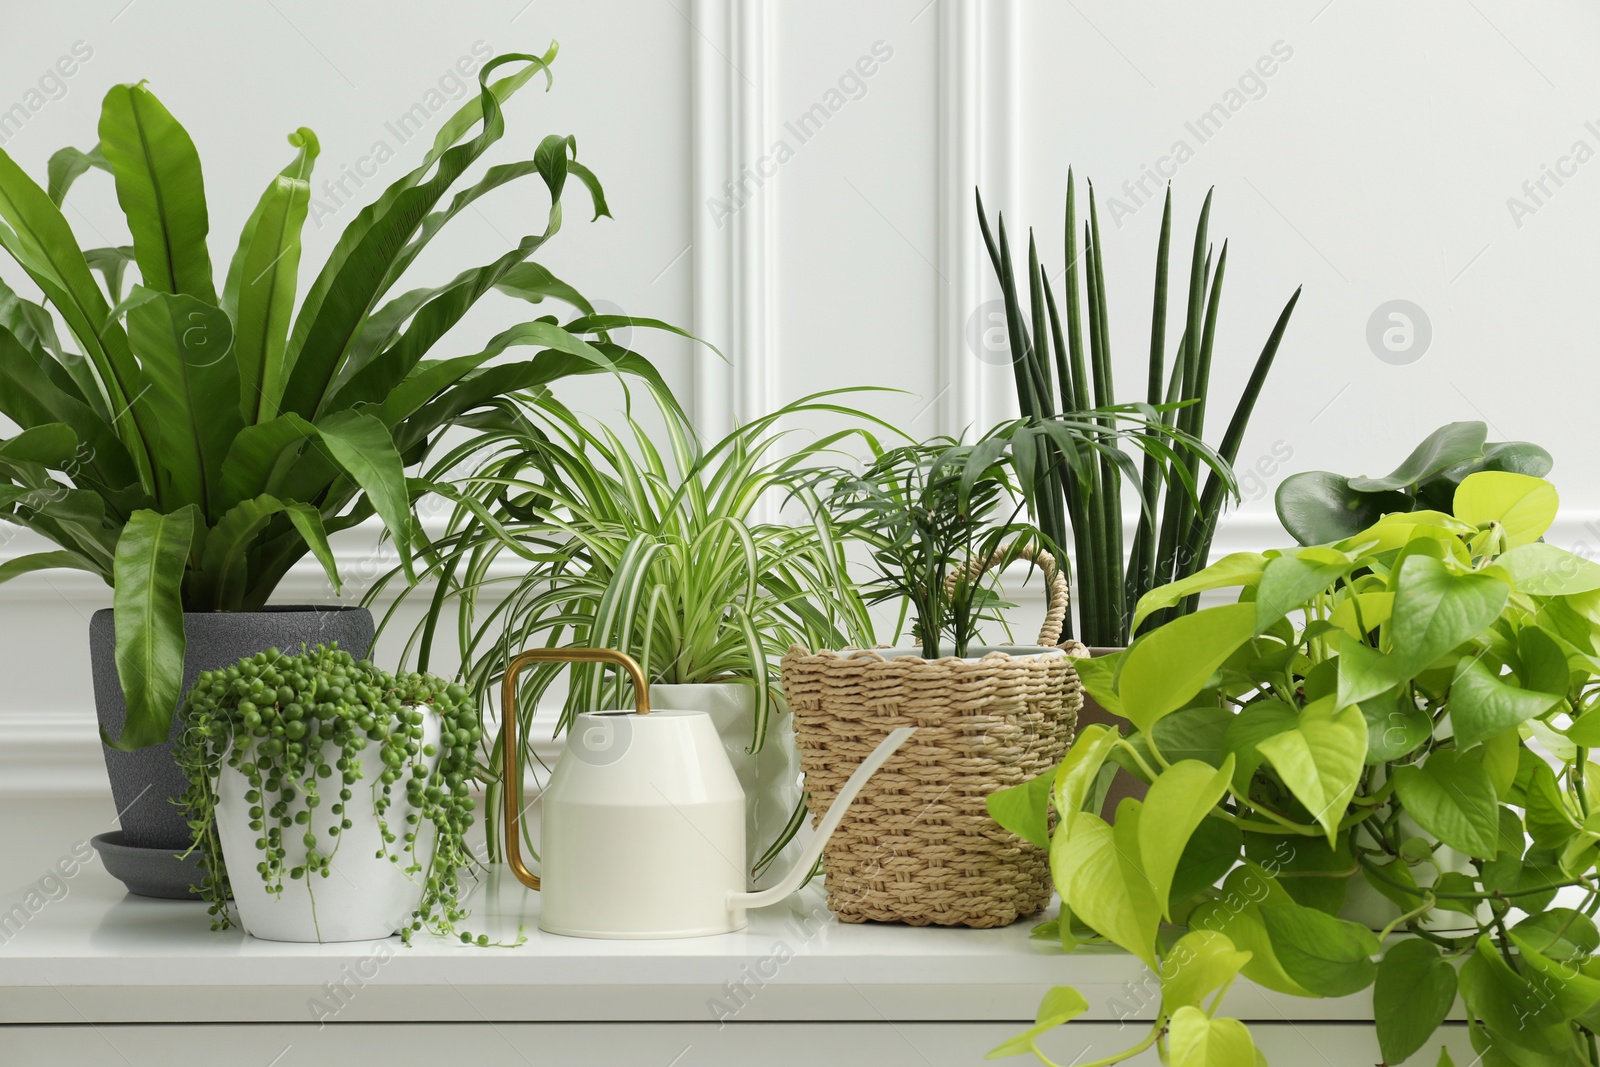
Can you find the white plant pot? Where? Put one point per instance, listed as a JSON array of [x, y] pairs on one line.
[[770, 778], [1365, 905], [364, 897]]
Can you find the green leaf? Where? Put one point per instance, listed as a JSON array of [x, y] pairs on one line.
[[1483, 704], [1311, 872], [1211, 853], [1434, 612], [52, 444], [1452, 797], [1549, 815], [1194, 1039], [1179, 799], [1395, 726], [1321, 760], [361, 445], [1200, 963], [1329, 957], [1523, 506], [1103, 882], [308, 521], [1542, 569], [1237, 914], [1559, 934], [258, 456], [1414, 991], [1238, 568], [1254, 724], [69, 164], [533, 282], [1445, 447], [1194, 734], [1571, 991], [1099, 675], [224, 561], [42, 242], [1025, 809], [1076, 773], [152, 554], [1319, 507], [263, 293], [1540, 662], [1288, 582], [1060, 1005], [184, 344], [1510, 1006], [361, 267], [1166, 668], [43, 561], [159, 186]]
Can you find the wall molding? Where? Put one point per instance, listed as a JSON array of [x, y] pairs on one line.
[[733, 79], [979, 90]]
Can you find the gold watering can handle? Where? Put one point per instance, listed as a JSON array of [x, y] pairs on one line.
[[511, 775]]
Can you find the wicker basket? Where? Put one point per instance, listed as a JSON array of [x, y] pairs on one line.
[[919, 846]]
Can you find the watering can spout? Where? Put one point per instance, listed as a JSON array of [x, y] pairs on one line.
[[797, 875]]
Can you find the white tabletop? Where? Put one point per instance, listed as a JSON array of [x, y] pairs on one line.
[[99, 955]]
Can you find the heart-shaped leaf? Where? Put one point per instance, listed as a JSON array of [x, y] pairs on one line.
[[1201, 962], [1103, 882], [1541, 569], [1523, 506], [1194, 1039], [1179, 798], [1321, 760], [1483, 703], [1328, 956], [1452, 797], [1414, 990], [1163, 671]]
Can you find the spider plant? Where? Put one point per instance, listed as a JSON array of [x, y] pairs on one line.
[[663, 556], [1055, 372]]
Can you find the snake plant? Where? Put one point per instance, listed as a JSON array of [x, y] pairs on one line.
[[1056, 373], [202, 438]]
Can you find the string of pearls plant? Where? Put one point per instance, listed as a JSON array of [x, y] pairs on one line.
[[314, 727]]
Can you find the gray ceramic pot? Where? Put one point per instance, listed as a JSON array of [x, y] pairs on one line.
[[147, 783]]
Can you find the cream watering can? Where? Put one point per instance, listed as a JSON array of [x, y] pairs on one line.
[[642, 829]]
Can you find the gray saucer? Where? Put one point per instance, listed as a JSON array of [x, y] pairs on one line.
[[149, 872]]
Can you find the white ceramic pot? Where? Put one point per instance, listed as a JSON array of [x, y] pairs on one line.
[[770, 778], [364, 897], [1365, 905]]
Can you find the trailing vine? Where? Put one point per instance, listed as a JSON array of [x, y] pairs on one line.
[[306, 731]]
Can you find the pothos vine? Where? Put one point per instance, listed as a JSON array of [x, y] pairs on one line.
[[307, 731]]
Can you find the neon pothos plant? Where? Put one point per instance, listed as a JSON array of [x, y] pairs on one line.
[[1389, 732], [201, 440]]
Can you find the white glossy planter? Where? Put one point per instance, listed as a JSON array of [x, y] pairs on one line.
[[1365, 905], [770, 778], [363, 898]]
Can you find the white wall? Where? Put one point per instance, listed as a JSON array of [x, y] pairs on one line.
[[1374, 164]]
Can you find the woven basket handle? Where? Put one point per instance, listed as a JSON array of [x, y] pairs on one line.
[[1056, 614]]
